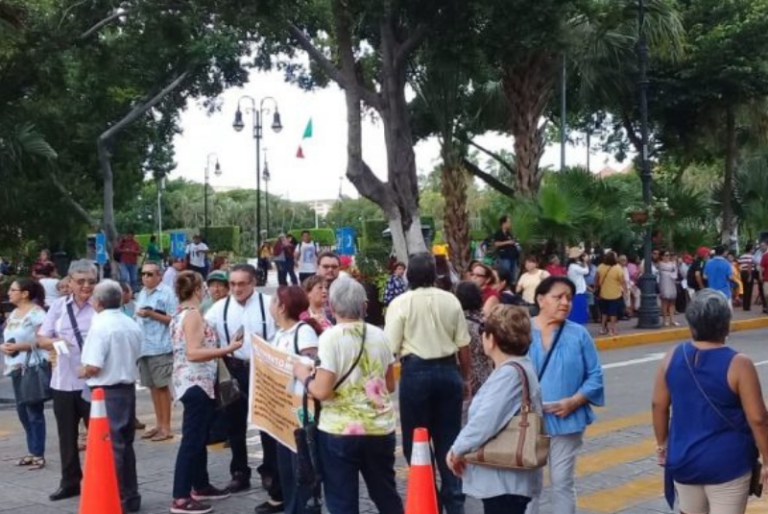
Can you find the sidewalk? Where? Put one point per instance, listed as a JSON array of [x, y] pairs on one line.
[[630, 335]]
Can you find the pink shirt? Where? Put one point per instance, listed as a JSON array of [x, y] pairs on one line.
[[58, 326]]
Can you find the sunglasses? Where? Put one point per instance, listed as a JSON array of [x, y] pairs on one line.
[[147, 273]]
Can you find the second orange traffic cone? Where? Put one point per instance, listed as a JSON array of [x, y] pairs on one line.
[[99, 491], [421, 497]]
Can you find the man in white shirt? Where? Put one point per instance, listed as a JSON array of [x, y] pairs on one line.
[[196, 251], [169, 276], [109, 360], [306, 256], [247, 309]]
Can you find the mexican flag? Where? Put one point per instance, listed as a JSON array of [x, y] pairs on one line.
[[307, 135]]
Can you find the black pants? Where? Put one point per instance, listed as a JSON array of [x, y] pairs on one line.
[[506, 504], [746, 279], [192, 459], [200, 270], [120, 402], [296, 497], [237, 418], [69, 409]]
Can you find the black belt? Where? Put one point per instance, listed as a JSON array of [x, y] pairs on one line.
[[114, 386], [451, 359]]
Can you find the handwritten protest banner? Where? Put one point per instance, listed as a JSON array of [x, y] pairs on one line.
[[273, 403]]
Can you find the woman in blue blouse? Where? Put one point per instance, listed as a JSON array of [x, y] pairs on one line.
[[571, 379], [709, 416]]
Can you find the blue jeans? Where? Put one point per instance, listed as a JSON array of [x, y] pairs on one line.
[[129, 274], [510, 264], [431, 397], [192, 459], [506, 504], [32, 418], [344, 457]]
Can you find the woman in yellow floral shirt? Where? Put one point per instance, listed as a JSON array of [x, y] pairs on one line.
[[354, 381]]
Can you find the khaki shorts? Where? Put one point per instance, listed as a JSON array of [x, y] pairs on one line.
[[728, 498], [155, 371]]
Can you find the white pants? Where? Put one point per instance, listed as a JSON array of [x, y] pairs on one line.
[[728, 498], [562, 465]]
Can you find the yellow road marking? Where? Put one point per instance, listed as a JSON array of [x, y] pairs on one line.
[[614, 425], [629, 494], [594, 462]]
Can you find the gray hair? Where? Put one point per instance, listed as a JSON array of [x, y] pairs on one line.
[[109, 294], [347, 298], [709, 316], [83, 266]]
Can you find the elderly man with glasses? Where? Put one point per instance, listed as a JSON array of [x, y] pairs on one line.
[[155, 306], [64, 331]]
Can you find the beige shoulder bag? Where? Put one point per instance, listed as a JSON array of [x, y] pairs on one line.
[[522, 444]]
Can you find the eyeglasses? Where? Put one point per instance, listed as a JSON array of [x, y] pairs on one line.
[[88, 281], [478, 275], [147, 273]]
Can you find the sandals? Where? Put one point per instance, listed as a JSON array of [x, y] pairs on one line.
[[32, 462], [159, 437], [149, 434]]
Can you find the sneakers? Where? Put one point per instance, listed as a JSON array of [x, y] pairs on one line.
[[189, 506], [269, 507], [209, 493]]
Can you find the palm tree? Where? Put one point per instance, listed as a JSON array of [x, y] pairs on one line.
[[601, 41]]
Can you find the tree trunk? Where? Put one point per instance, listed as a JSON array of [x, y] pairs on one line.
[[731, 156], [455, 217], [528, 89], [399, 242]]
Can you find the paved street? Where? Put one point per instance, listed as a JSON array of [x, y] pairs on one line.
[[616, 472]]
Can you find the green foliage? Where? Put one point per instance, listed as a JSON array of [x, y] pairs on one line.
[[143, 240], [223, 239], [322, 236], [370, 235]]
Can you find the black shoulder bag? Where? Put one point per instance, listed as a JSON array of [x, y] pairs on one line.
[[755, 485], [308, 473], [551, 350]]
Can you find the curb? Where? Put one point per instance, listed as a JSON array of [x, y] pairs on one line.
[[604, 343]]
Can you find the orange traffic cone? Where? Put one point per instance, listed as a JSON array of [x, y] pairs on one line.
[[421, 497], [100, 494]]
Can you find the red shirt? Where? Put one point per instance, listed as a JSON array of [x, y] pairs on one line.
[[129, 251], [489, 292], [764, 266], [556, 271]]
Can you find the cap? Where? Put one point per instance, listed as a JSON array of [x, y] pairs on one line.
[[575, 252], [703, 252], [217, 276]]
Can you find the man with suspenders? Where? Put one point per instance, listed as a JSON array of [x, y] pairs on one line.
[[248, 310]]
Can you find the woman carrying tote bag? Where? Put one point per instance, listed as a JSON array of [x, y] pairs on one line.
[[506, 337], [25, 361]]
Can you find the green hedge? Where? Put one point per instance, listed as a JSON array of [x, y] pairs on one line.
[[371, 234], [322, 236], [223, 239]]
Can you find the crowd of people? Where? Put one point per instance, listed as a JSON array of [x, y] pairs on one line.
[[472, 355]]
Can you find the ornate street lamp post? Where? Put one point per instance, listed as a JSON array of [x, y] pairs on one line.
[[217, 172], [277, 126], [648, 314]]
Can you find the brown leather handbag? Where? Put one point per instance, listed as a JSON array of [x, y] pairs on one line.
[[522, 444]]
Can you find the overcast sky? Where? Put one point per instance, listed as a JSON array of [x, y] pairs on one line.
[[317, 176]]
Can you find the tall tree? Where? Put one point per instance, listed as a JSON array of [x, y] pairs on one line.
[[370, 43]]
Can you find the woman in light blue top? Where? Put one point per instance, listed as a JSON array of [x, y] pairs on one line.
[[506, 336], [19, 339], [571, 379]]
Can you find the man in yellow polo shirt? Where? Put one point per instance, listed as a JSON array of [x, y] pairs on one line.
[[427, 329]]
